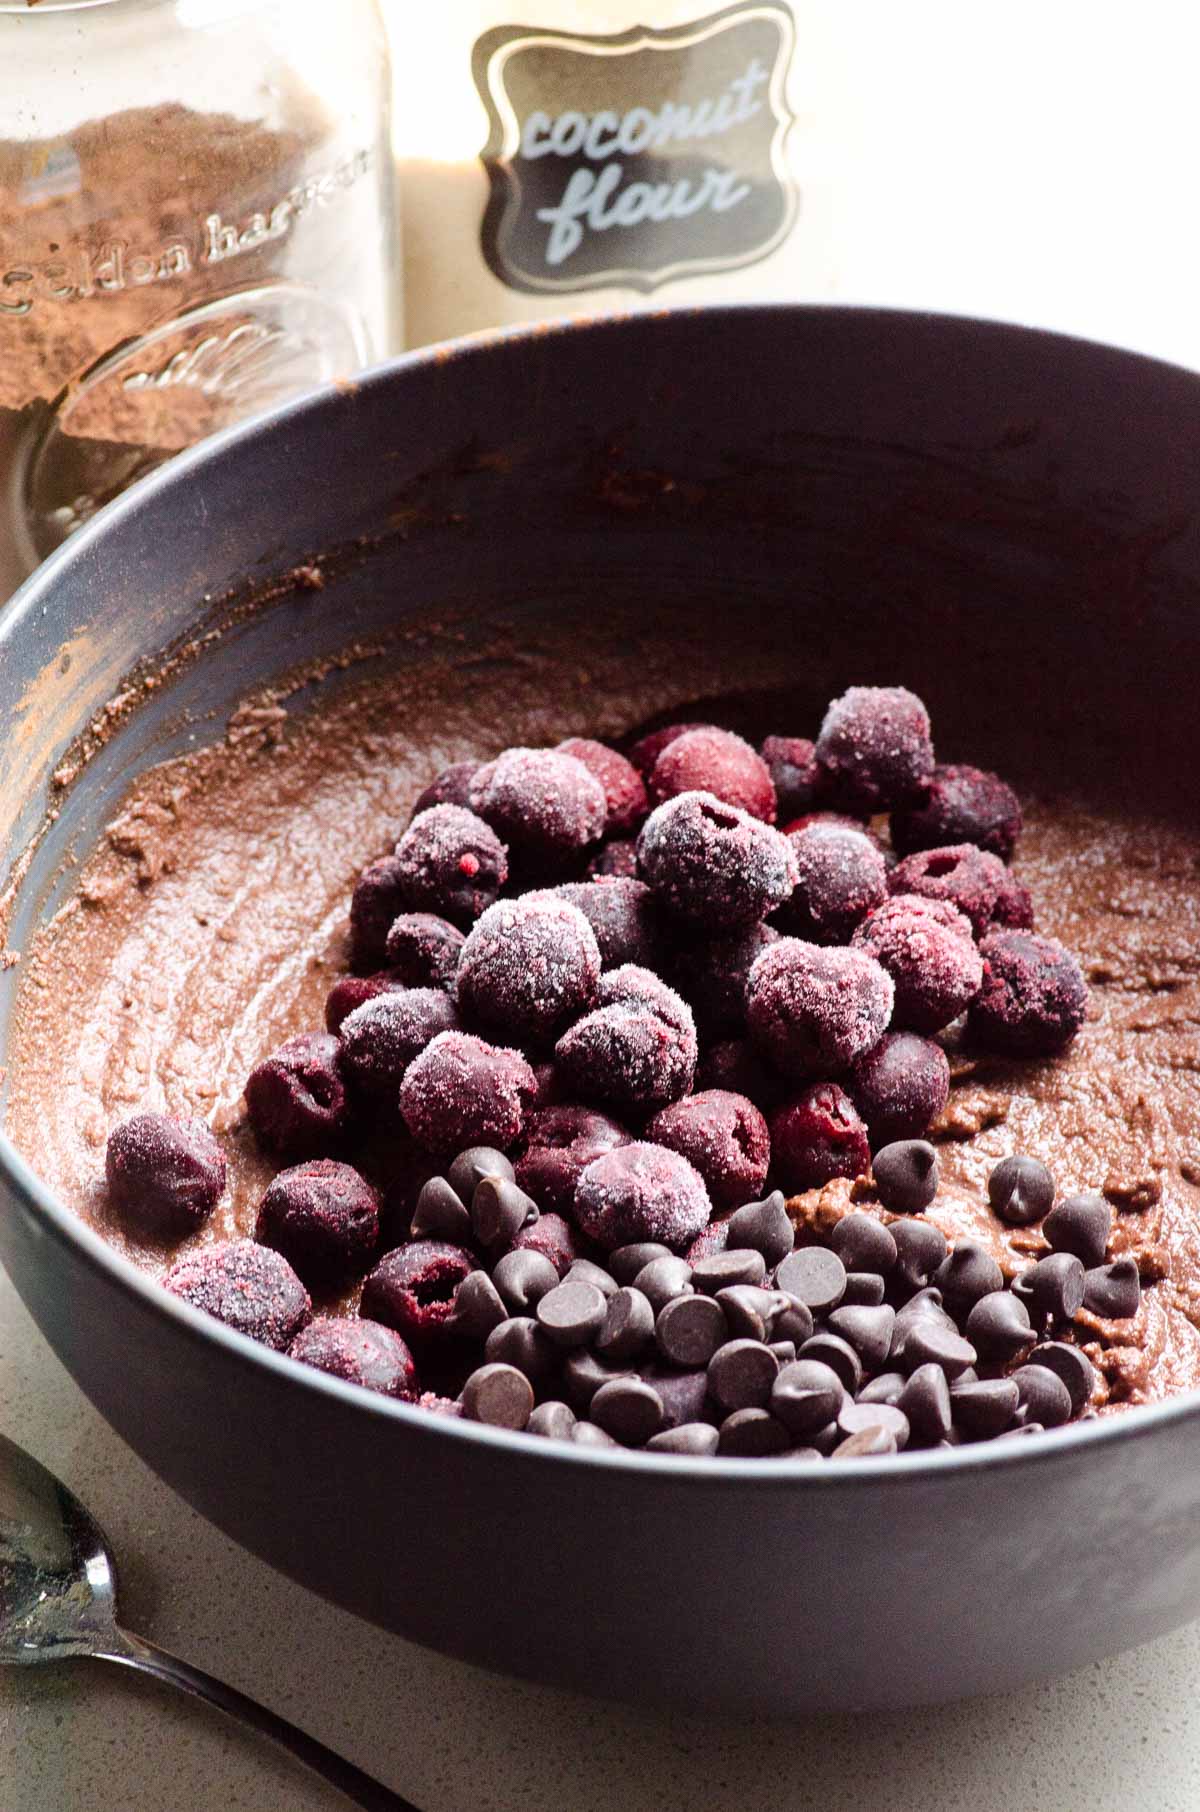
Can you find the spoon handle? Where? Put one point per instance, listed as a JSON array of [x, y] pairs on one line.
[[133, 1651]]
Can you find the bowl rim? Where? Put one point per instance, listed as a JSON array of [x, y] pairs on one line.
[[1054, 1446]]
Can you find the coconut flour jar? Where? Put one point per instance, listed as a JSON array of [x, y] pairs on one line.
[[556, 157], [196, 222]]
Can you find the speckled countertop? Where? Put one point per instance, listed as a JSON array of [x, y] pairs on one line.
[[88, 1738]]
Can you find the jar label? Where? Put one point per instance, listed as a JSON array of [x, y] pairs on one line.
[[633, 159]]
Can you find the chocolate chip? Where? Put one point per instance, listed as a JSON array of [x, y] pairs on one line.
[[478, 1306], [698, 1439], [815, 1276], [867, 1442], [571, 1313], [838, 1355], [1113, 1291], [752, 1434], [906, 1175], [629, 1409], [584, 1271], [807, 1396], [855, 1418], [628, 1325], [741, 1374], [864, 1244], [887, 1387], [920, 1250], [523, 1278], [824, 1440], [521, 1342], [968, 1273], [748, 1310], [471, 1166], [864, 1289], [784, 1350], [689, 1329], [555, 1420], [925, 1400], [927, 1342], [663, 1279], [627, 1261], [684, 1395], [499, 1210], [869, 1331], [765, 1226], [1073, 1367], [584, 1373], [1043, 1395], [1053, 1288], [587, 1434], [789, 1318], [1081, 1224], [499, 1395], [999, 1326], [1021, 1190], [440, 1214], [724, 1270], [984, 1407]]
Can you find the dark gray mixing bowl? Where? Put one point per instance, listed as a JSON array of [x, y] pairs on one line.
[[1006, 520]]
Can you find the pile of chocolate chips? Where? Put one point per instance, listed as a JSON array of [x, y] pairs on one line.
[[598, 1005]]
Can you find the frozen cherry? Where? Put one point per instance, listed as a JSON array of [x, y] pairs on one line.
[[248, 1287], [961, 875], [164, 1175], [927, 949], [791, 762], [724, 1137], [545, 805], [561, 1143], [423, 949], [360, 1352], [296, 1099], [717, 762], [623, 915], [351, 991], [553, 1237], [616, 860], [736, 1065], [711, 974], [624, 788], [377, 898], [641, 1192], [637, 1050], [450, 863], [381, 1038], [646, 751], [528, 966], [451, 787], [714, 865], [818, 1136], [874, 749], [413, 1290], [899, 1086], [324, 1218], [461, 1091], [813, 1010], [963, 805], [841, 875], [1013, 908], [1033, 999]]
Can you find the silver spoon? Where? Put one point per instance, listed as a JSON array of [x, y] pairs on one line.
[[58, 1601]]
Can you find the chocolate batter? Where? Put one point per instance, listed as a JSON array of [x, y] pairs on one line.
[[212, 922]]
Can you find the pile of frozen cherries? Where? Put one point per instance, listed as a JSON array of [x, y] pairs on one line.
[[605, 1013]]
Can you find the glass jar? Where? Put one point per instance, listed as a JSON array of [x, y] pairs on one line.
[[196, 222], [566, 156]]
